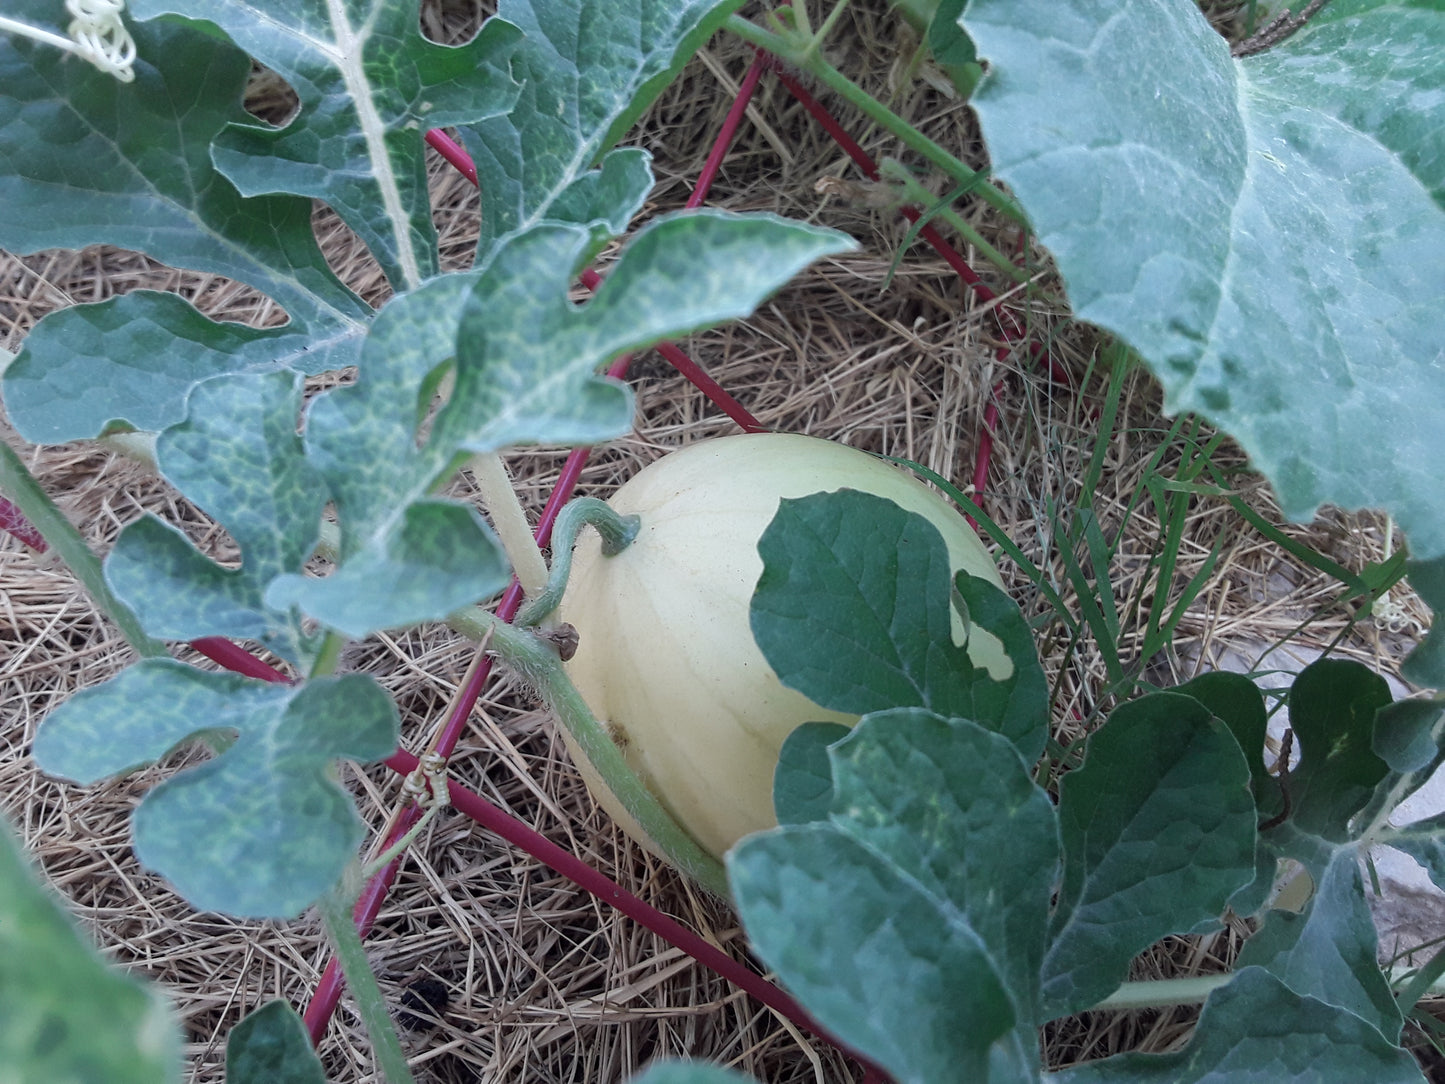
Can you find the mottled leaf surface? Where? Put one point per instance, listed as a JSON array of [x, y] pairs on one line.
[[1266, 232], [88, 160], [588, 70], [369, 85], [1158, 830], [853, 611], [271, 1046], [1255, 1031], [260, 830], [68, 1016], [886, 919], [238, 457], [525, 359]]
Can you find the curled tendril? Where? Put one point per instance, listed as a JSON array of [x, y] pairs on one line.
[[101, 36]]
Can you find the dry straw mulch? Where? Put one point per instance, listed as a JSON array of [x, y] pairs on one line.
[[544, 983]]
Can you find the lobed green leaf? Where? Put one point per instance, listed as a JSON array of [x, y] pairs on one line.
[[1330, 952], [525, 359], [1256, 1031], [369, 85], [271, 1046], [589, 68], [259, 830], [93, 161], [853, 611], [237, 456], [886, 919], [1158, 831]]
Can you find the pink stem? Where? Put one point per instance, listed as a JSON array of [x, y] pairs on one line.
[[727, 131], [13, 522]]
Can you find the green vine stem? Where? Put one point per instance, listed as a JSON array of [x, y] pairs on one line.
[[617, 534], [500, 500], [21, 488], [801, 51], [538, 664], [336, 908]]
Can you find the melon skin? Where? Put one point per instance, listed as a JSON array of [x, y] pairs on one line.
[[666, 658]]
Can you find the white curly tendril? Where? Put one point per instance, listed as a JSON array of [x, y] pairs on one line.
[[96, 33]]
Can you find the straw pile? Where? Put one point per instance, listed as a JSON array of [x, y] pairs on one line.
[[543, 983]]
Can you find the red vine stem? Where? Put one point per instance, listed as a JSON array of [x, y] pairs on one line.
[[13, 522]]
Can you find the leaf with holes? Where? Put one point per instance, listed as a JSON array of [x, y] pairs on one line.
[[261, 829]]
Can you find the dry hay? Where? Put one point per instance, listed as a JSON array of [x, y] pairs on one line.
[[545, 983]]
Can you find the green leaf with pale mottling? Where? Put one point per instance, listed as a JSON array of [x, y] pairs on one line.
[[369, 85], [89, 161], [1266, 232], [1255, 1031], [68, 1017], [440, 551], [238, 457], [888, 920], [1158, 831], [134, 360], [260, 830], [853, 611], [271, 1046], [588, 69], [526, 360]]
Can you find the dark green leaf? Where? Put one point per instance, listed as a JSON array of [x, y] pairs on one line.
[[1158, 830], [260, 830], [803, 781], [68, 1017], [369, 87], [1408, 734], [92, 161], [238, 457], [1266, 232], [948, 42], [872, 956], [1256, 1031], [588, 69], [888, 920], [1332, 707], [853, 611], [1426, 664], [1237, 702], [1329, 952], [271, 1046]]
